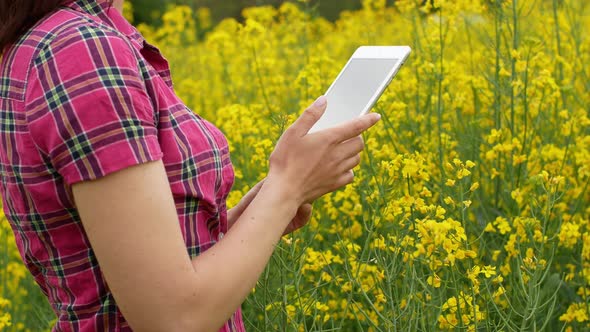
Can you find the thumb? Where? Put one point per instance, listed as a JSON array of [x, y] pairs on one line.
[[310, 116]]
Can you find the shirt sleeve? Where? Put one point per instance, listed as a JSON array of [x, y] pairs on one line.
[[87, 107]]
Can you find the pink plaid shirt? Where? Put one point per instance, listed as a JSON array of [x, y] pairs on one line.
[[83, 95]]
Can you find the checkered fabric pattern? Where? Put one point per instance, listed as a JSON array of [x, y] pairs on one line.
[[83, 95]]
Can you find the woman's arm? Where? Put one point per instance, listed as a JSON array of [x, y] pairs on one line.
[[131, 221], [302, 216], [234, 213]]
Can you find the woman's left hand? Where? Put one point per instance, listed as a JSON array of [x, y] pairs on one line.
[[301, 218]]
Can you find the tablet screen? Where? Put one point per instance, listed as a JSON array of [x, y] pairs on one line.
[[353, 90]]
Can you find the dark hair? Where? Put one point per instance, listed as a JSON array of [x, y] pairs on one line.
[[17, 16]]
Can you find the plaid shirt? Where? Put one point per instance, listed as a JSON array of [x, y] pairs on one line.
[[83, 95]]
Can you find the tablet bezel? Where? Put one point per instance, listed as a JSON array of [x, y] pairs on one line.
[[400, 53]]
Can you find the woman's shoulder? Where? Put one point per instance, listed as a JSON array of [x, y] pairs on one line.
[[66, 26], [65, 32]]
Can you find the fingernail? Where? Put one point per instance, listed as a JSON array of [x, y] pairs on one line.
[[378, 116], [320, 102]]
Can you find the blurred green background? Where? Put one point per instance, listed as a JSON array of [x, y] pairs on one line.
[[148, 10]]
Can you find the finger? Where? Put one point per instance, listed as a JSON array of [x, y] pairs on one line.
[[350, 163], [304, 213], [258, 186], [349, 148], [252, 193], [306, 207], [354, 127], [301, 218], [310, 116], [344, 179]]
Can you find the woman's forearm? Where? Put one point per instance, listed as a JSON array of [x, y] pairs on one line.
[[234, 213], [226, 273]]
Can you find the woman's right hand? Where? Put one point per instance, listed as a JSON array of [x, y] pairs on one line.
[[311, 165]]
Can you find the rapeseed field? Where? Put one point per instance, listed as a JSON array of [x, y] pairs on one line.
[[471, 208]]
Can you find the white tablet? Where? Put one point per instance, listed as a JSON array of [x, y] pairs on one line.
[[361, 82]]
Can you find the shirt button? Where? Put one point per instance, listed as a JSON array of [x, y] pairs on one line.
[[220, 236]]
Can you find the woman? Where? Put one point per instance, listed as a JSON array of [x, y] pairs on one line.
[[116, 191]]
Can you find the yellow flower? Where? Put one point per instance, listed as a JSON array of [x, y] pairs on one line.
[[463, 172], [321, 307], [489, 228], [569, 234], [489, 271], [5, 320], [502, 225], [410, 168], [434, 281], [499, 292], [576, 312]]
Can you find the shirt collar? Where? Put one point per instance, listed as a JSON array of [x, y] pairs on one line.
[[102, 11]]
